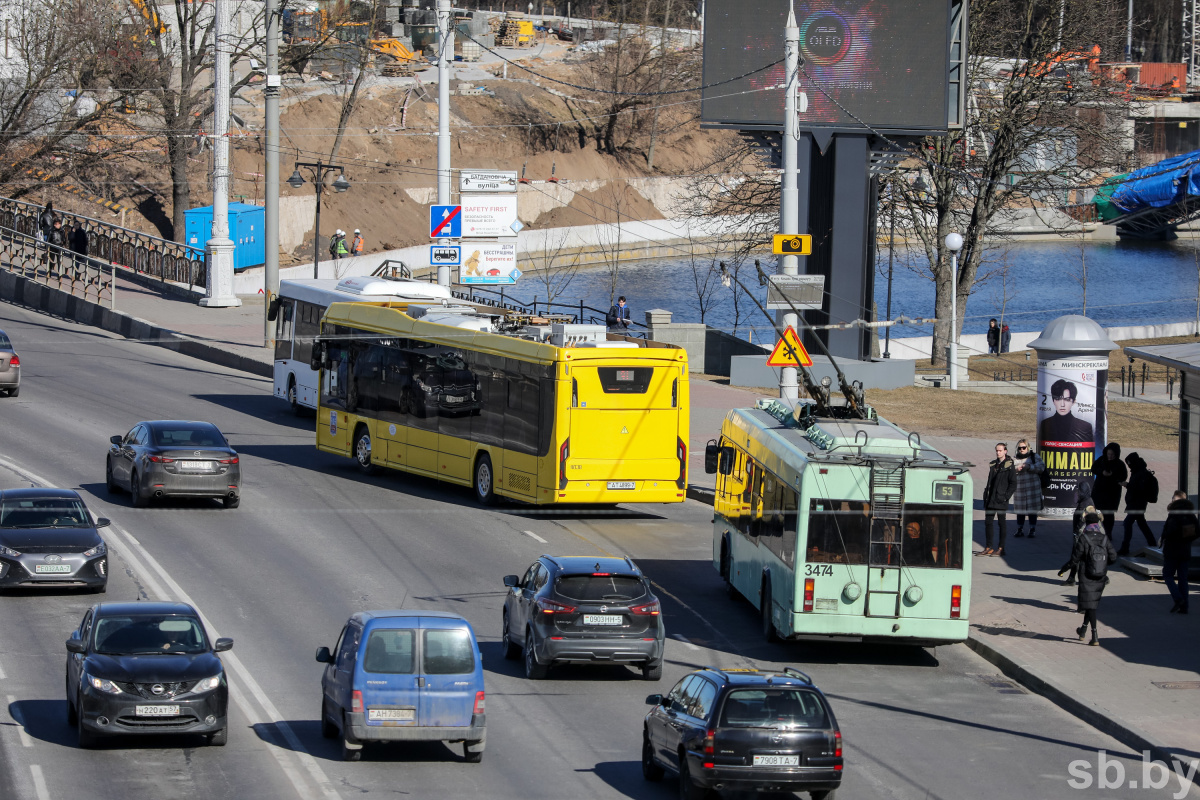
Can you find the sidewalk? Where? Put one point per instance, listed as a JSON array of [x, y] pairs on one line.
[[1142, 685]]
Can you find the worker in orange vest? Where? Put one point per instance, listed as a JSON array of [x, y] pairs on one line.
[[356, 247]]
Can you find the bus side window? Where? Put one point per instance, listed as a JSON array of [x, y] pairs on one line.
[[787, 544], [756, 503], [284, 321], [307, 326]]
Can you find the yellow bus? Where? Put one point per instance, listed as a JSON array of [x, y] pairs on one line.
[[539, 413]]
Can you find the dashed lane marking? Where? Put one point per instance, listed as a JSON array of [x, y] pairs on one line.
[[39, 782], [535, 537], [2, 675], [16, 715]]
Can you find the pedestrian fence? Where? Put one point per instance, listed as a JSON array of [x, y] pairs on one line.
[[571, 312], [1155, 373], [141, 252], [1018, 374], [56, 266]]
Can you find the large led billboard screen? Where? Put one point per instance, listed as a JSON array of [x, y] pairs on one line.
[[883, 61]]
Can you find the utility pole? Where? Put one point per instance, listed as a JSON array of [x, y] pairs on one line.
[[271, 226], [1129, 33], [219, 284], [445, 56], [789, 206]]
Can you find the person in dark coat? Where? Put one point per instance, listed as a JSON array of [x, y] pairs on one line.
[[1111, 476], [617, 317], [1001, 483], [1137, 497], [1083, 497], [46, 221], [1179, 531], [1027, 501], [1005, 339], [1093, 572], [58, 241], [993, 336]]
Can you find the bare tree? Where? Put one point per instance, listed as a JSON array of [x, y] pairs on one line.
[[1080, 273], [554, 269], [706, 277], [1004, 287]]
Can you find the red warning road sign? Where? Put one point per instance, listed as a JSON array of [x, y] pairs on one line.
[[789, 352]]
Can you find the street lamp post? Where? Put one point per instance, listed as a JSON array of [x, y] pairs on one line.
[[319, 171], [887, 332], [954, 243]]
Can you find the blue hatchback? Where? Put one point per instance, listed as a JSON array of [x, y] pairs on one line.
[[404, 676]]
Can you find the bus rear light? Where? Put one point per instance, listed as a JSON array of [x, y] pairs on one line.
[[646, 610], [810, 586], [955, 602], [479, 704], [548, 606], [563, 452], [356, 704], [681, 451]]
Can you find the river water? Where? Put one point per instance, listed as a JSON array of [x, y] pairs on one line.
[[1128, 283]]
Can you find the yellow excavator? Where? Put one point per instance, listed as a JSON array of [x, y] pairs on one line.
[[404, 59]]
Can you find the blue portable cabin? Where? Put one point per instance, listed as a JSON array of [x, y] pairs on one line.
[[245, 229]]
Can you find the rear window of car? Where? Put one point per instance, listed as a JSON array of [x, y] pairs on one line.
[[773, 708], [50, 512], [5, 344], [390, 652], [188, 437], [597, 587], [448, 652]]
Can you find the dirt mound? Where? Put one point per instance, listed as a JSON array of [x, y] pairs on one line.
[[615, 202]]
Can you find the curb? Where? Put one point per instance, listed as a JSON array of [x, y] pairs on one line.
[[1099, 718], [23, 291]]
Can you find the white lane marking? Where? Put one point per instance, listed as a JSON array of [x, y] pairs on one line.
[[137, 554], [534, 536], [2, 675], [683, 639], [39, 782], [176, 592], [25, 740]]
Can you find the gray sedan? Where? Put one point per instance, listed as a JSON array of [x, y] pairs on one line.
[[170, 458], [49, 538], [10, 367]]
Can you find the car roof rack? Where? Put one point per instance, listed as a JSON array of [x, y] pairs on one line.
[[795, 673]]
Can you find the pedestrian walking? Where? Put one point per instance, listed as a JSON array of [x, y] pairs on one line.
[[1005, 339], [1141, 491], [1111, 476], [1083, 495], [46, 221], [993, 336], [1027, 501], [1092, 555], [57, 241], [1001, 483], [618, 316], [1179, 531], [356, 247]]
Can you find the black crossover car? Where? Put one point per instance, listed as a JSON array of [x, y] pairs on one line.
[[744, 730], [169, 458], [143, 668], [583, 610], [48, 538]]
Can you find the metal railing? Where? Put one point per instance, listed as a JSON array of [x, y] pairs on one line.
[[1131, 374], [1018, 374], [141, 252], [574, 312], [56, 266]]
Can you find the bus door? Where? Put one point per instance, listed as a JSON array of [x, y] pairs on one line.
[[625, 424], [420, 404], [884, 555], [333, 420]]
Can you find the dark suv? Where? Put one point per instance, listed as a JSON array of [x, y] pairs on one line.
[[741, 730], [583, 610]]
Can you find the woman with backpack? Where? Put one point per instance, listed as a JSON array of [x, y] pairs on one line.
[[1083, 496], [1092, 555]]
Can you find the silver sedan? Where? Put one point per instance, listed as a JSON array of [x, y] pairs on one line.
[[172, 458], [10, 367]]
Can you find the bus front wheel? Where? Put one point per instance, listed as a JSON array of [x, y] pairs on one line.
[[484, 480], [292, 395], [362, 450]]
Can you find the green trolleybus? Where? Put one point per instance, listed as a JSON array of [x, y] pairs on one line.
[[839, 528]]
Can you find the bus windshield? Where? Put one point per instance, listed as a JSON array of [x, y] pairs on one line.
[[839, 532]]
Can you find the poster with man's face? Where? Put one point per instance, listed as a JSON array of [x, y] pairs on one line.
[[1072, 425]]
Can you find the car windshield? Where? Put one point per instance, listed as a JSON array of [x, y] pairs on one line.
[[773, 708], [49, 512], [5, 344], [149, 634], [189, 436], [598, 587]]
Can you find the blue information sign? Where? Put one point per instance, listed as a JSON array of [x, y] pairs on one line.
[[445, 222]]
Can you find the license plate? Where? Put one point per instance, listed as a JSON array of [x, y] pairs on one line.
[[53, 569], [777, 761], [602, 619], [389, 714], [452, 399], [622, 485], [158, 711], [199, 466]]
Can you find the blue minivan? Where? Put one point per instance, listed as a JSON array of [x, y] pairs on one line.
[[403, 676]]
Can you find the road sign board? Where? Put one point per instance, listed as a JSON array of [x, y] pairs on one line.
[[489, 216], [803, 292], [448, 255], [792, 244], [490, 262], [485, 181], [789, 352], [445, 222]]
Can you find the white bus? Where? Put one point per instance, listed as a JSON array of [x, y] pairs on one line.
[[297, 314]]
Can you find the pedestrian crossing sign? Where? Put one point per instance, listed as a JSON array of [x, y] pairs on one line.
[[789, 352]]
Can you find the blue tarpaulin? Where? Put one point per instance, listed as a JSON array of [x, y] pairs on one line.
[[1156, 186]]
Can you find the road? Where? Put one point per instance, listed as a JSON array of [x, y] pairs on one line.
[[315, 541]]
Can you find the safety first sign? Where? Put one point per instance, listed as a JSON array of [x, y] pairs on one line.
[[489, 216]]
